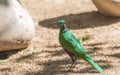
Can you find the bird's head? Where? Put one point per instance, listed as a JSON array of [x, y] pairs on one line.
[[60, 23]]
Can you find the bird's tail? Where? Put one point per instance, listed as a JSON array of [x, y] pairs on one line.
[[97, 67]]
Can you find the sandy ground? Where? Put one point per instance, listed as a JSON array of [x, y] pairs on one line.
[[45, 55]]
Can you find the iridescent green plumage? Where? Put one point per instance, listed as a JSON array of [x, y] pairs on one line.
[[72, 46]]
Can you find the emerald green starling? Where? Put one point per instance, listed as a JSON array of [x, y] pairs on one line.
[[72, 46]]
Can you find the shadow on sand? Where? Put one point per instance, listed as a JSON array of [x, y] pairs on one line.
[[82, 20]]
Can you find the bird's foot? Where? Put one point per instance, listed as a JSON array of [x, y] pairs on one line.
[[72, 66]]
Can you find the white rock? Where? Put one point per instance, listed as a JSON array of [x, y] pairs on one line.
[[16, 25]]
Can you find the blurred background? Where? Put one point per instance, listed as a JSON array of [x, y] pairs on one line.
[[47, 9], [45, 56]]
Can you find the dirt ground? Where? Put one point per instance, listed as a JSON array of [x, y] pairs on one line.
[[45, 56]]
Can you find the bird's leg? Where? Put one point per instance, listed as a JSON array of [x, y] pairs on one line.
[[73, 58], [73, 62]]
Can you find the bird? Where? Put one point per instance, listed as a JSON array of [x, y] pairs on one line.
[[17, 28], [72, 46]]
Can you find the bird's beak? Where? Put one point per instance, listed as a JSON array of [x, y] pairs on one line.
[[54, 23]]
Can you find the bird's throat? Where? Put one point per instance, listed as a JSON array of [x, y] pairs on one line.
[[63, 27]]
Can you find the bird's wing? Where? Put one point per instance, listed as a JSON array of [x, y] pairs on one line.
[[75, 44]]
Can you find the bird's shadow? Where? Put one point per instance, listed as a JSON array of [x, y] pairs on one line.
[[82, 20]]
